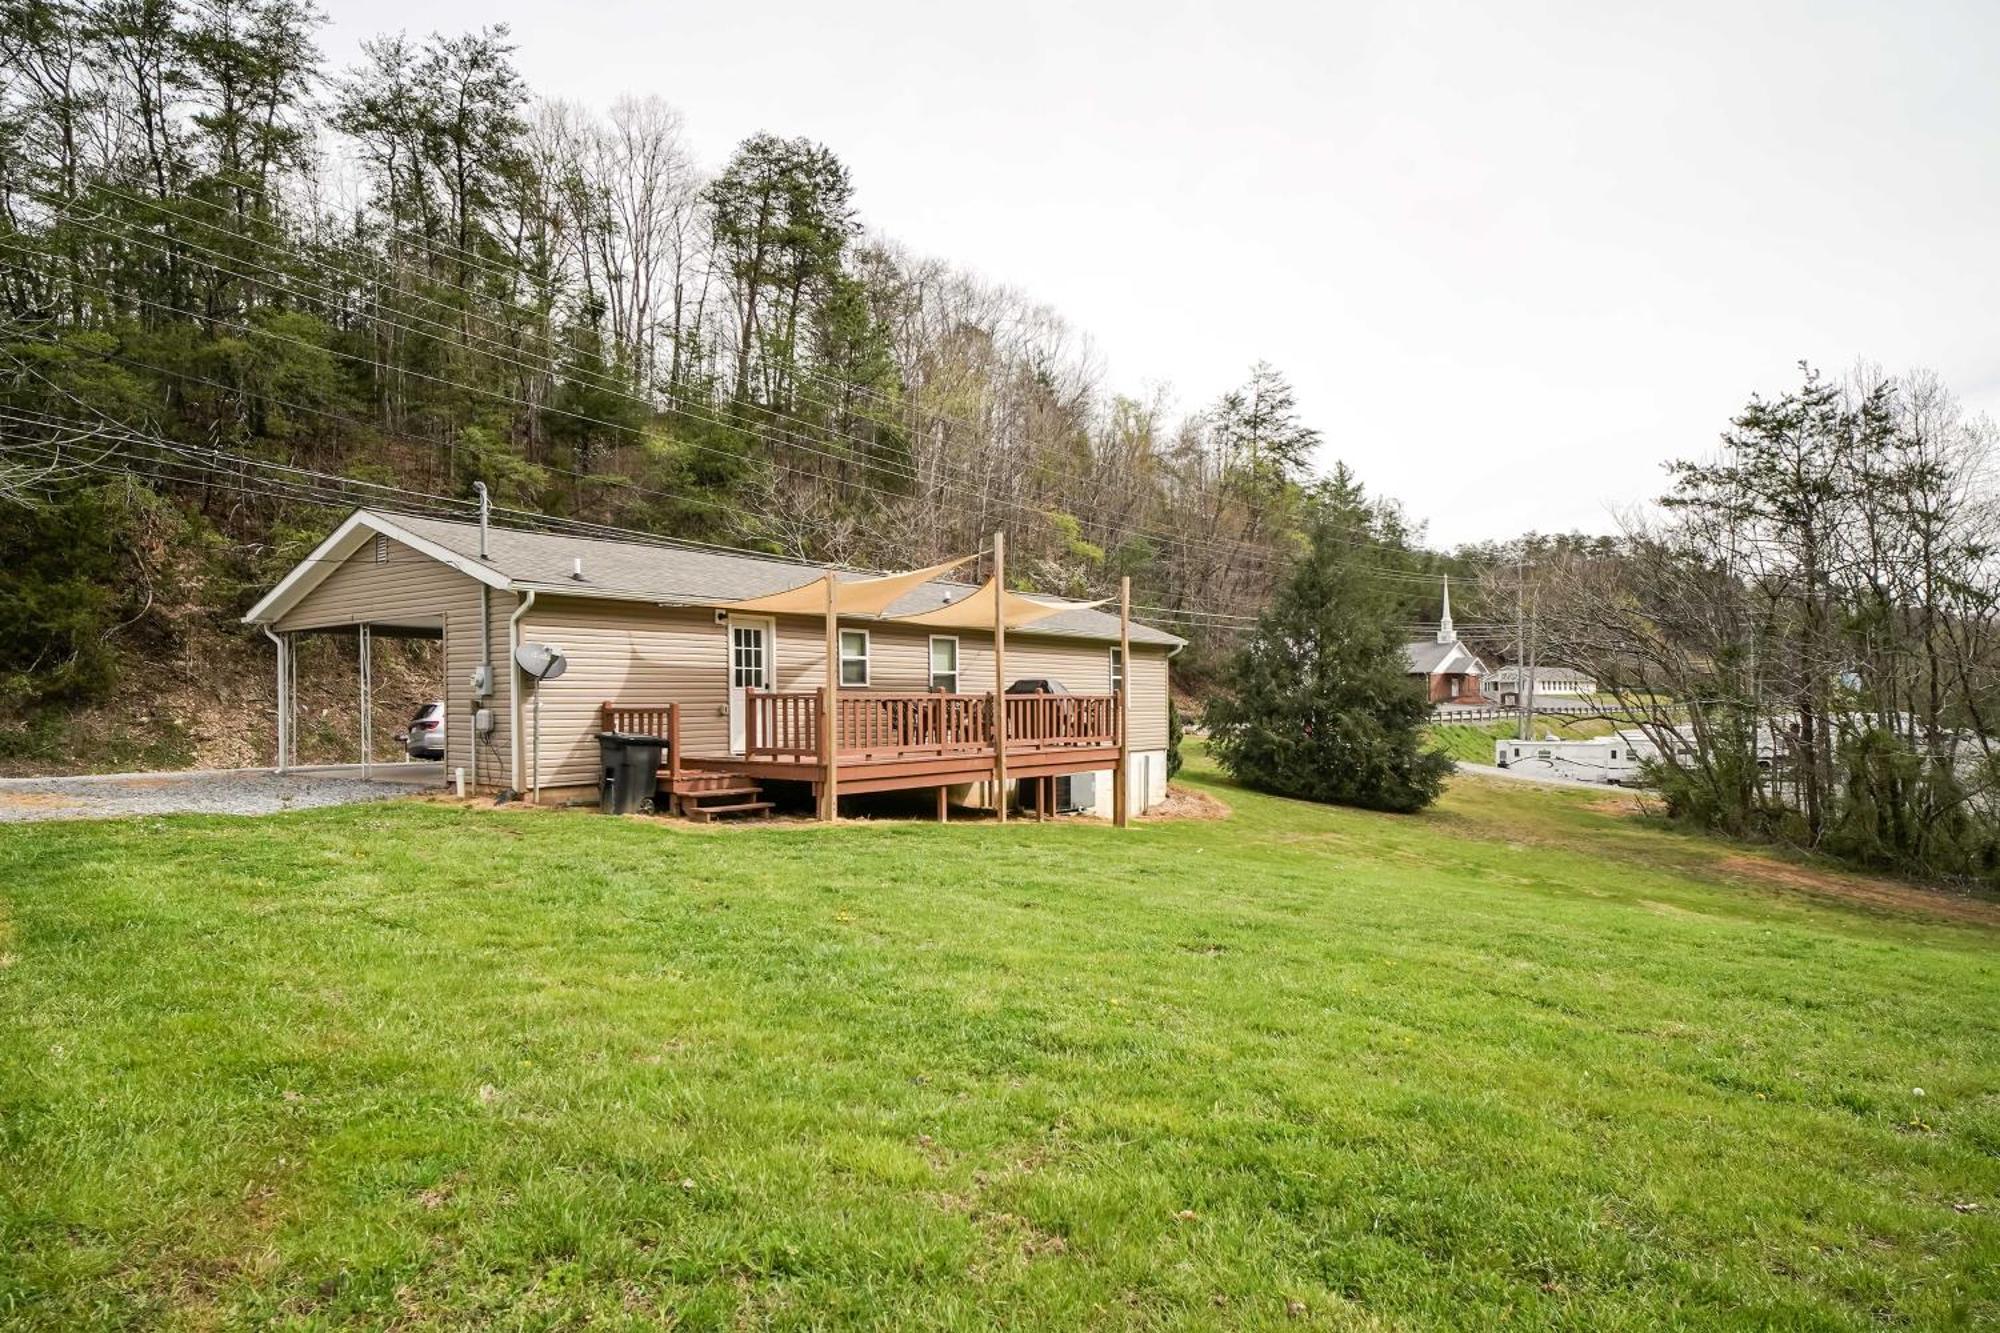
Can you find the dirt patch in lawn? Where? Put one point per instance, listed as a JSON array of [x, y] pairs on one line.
[[1883, 894], [1187, 803]]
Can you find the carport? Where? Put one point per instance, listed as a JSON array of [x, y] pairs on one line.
[[365, 633], [373, 579]]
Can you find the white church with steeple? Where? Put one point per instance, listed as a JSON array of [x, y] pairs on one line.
[[1451, 672]]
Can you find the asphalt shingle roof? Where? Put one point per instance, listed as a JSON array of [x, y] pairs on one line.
[[1427, 655], [672, 573]]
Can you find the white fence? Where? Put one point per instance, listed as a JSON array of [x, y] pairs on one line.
[[1495, 712]]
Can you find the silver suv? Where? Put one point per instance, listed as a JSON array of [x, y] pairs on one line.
[[425, 737]]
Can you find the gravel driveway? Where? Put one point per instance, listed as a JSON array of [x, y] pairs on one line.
[[239, 791]]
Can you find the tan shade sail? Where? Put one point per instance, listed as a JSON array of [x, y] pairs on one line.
[[976, 611], [851, 597]]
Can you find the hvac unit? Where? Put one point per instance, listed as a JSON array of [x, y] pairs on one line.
[[1076, 792]]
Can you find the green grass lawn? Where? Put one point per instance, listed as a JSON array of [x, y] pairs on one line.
[[1521, 1061]]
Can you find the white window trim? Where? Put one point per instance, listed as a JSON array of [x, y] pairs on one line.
[[957, 661], [770, 627], [1117, 667], [842, 659]]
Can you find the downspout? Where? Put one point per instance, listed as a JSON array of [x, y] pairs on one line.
[[279, 766], [514, 687]]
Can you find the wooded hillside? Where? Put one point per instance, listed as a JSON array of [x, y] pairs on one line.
[[243, 291]]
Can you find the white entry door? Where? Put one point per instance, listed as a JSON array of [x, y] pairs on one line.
[[753, 642]]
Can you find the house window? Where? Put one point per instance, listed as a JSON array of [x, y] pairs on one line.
[[1117, 670], [854, 657], [944, 664], [381, 548]]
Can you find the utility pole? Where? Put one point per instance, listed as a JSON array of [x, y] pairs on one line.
[[1534, 656], [1523, 730]]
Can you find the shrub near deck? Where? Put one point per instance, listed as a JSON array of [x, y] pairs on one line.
[[1516, 1060]]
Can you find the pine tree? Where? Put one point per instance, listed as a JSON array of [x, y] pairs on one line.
[[1317, 703]]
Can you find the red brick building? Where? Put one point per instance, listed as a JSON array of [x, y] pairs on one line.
[[1450, 671]]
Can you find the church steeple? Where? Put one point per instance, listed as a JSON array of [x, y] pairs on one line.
[[1446, 634]]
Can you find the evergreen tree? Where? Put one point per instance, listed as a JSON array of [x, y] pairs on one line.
[[1316, 703]]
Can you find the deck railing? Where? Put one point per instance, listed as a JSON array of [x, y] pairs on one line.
[[893, 725], [781, 724], [889, 725], [663, 720], [1061, 721]]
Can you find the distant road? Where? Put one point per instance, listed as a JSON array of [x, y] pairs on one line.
[[1535, 780]]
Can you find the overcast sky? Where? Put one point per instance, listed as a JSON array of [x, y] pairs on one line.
[[1513, 255]]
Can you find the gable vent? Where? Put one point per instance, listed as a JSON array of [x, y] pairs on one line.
[[381, 548]]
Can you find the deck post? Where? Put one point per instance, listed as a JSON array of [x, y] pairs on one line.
[[1121, 793], [1000, 676], [944, 814], [673, 759], [829, 745]]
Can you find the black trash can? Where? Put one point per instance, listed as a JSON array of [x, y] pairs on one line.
[[631, 767]]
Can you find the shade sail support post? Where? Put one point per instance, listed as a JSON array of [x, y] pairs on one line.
[[829, 711], [1121, 792], [1000, 676]]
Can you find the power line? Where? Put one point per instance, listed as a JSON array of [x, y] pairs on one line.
[[600, 478], [1235, 551], [550, 368], [251, 329], [199, 465], [505, 354]]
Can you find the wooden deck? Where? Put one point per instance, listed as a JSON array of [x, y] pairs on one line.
[[884, 741]]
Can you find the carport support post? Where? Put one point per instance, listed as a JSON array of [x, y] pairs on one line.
[[367, 699], [292, 700], [284, 663]]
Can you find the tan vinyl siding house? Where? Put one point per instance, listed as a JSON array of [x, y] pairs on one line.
[[634, 654], [649, 626]]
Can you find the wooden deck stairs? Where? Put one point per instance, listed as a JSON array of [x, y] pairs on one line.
[[707, 797]]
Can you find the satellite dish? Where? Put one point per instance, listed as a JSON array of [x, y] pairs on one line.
[[543, 661]]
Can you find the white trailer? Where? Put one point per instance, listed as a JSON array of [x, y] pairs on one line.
[[1615, 760]]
